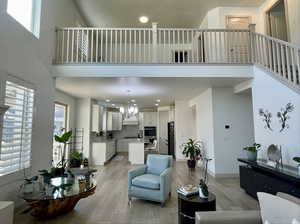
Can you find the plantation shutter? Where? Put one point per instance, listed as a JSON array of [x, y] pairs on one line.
[[15, 151]]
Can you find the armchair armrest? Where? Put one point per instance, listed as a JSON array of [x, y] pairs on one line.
[[228, 217], [134, 173], [166, 182]]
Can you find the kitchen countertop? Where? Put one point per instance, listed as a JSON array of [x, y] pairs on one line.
[[103, 140]]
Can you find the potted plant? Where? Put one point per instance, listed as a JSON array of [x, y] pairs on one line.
[[192, 150], [76, 159], [203, 188], [64, 140], [297, 160], [252, 151]]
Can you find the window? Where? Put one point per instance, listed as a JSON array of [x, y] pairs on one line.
[[27, 13], [15, 152], [60, 125]]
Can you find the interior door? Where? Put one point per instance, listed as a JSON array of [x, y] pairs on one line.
[[276, 21]]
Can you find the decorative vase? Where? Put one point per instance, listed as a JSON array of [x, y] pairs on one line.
[[252, 156], [201, 194], [191, 163]]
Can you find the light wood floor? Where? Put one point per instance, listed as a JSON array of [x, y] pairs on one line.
[[109, 204]]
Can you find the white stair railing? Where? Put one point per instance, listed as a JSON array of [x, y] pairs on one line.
[[277, 56], [152, 45]]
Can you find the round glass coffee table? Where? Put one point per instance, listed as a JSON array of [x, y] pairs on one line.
[[59, 196], [188, 206]]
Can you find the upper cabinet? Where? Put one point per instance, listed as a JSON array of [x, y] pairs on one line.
[[113, 121], [149, 119]]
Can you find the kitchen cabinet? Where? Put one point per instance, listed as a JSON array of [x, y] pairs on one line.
[[113, 121], [103, 152], [149, 119], [96, 117]]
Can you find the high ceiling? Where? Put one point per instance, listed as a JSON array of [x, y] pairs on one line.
[[145, 91], [168, 13]]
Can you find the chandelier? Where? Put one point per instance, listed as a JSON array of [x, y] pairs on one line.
[[129, 110]]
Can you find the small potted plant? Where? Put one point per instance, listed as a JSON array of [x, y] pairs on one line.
[[203, 188], [76, 159], [252, 151], [192, 150], [297, 160]]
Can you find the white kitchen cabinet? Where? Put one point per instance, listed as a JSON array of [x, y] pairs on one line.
[[113, 121], [150, 119], [103, 152]]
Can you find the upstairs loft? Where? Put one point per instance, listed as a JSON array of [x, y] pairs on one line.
[[171, 46]]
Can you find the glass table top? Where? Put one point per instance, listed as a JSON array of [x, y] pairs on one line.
[[57, 188]]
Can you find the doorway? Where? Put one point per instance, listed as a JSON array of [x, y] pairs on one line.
[[277, 22], [163, 131]]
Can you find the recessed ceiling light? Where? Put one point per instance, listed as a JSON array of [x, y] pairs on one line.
[[158, 100], [107, 100], [135, 104], [157, 104], [133, 101], [144, 19]]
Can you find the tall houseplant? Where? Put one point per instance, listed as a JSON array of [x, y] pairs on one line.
[[252, 151], [64, 140], [192, 150]]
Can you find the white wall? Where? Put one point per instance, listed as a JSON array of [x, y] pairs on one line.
[[70, 101], [216, 18], [272, 95], [215, 108], [29, 58], [84, 120], [234, 110], [204, 124], [183, 126]]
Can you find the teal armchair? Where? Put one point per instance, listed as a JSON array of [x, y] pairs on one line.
[[153, 181]]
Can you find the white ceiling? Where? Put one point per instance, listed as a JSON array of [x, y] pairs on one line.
[[144, 90], [168, 13]]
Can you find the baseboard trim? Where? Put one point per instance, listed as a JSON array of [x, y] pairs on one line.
[[223, 175]]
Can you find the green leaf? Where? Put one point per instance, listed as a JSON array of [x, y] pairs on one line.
[[296, 159]]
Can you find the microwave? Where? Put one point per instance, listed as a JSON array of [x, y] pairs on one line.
[[150, 131]]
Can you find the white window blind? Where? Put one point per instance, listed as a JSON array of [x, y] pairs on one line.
[[15, 153]]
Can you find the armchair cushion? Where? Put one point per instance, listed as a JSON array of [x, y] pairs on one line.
[[156, 164], [149, 181], [276, 209]]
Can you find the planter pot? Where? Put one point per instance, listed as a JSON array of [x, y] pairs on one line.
[[201, 194], [58, 172], [252, 156], [191, 164]]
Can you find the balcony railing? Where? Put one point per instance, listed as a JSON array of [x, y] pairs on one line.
[[177, 46], [156, 45]]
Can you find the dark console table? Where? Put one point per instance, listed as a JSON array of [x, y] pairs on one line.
[[257, 176]]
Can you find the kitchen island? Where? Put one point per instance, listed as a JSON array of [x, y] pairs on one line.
[[102, 151], [136, 152]]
